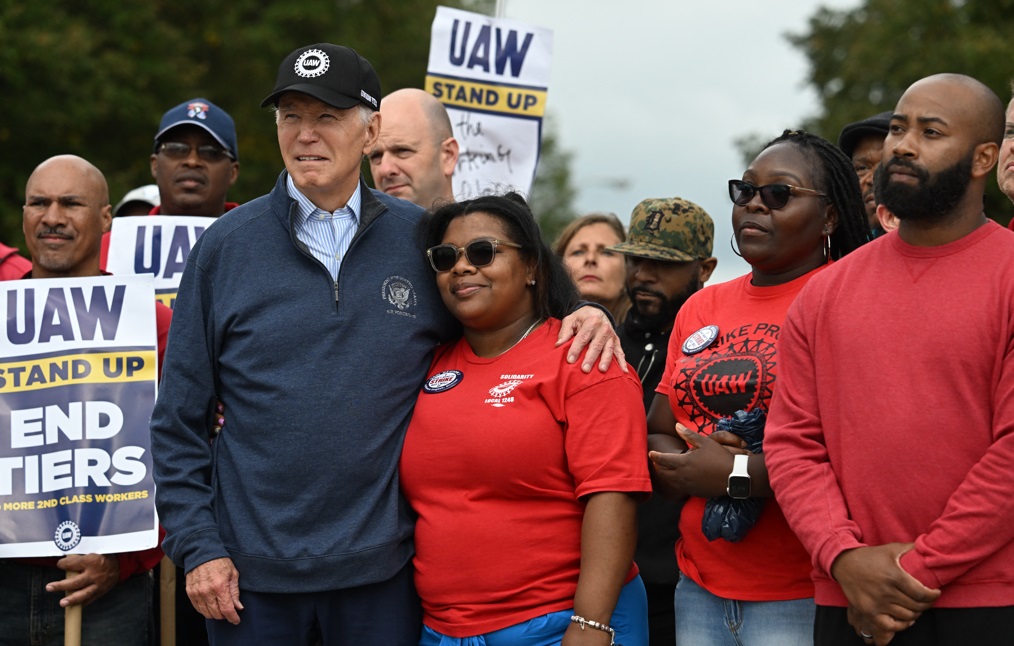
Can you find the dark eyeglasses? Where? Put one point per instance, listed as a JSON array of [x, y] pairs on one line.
[[179, 150], [774, 196], [478, 253]]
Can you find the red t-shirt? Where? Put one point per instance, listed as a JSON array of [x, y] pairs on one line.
[[12, 265], [495, 467], [736, 372]]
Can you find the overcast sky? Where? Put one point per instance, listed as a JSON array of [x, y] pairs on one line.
[[649, 95]]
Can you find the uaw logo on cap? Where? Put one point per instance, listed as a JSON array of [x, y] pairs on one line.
[[67, 535], [700, 339], [442, 381], [197, 110], [312, 63]]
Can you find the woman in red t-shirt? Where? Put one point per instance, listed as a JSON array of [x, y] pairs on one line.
[[797, 208], [524, 471]]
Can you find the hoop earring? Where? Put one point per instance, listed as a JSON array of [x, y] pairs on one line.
[[732, 243], [827, 250]]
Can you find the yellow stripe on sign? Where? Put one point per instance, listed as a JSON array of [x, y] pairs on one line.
[[487, 96], [166, 298], [92, 368]]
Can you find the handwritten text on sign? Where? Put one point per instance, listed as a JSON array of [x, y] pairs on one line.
[[492, 75]]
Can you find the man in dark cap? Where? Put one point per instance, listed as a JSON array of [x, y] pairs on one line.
[[196, 159], [668, 252], [863, 143], [312, 314], [194, 162]]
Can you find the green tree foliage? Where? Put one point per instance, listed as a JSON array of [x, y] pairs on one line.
[[553, 193], [862, 60], [93, 77]]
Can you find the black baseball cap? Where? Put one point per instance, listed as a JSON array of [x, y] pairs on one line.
[[334, 74], [853, 133]]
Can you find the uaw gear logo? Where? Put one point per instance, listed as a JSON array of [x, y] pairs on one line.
[[498, 395], [197, 110], [67, 535], [729, 377], [442, 381], [312, 63], [505, 388], [398, 291]]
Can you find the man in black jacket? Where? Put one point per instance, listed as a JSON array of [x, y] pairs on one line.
[[668, 252]]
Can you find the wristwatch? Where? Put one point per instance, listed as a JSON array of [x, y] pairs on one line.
[[738, 486]]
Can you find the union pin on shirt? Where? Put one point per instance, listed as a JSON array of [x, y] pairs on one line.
[[443, 381], [700, 339]]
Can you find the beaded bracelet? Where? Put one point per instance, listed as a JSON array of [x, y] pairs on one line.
[[581, 621]]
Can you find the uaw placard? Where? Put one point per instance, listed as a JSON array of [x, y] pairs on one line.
[[492, 75], [77, 386], [157, 245]]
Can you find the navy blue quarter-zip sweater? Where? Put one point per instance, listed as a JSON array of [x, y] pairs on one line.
[[318, 379]]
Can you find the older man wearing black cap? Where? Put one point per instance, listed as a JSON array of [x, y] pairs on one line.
[[863, 143], [312, 313]]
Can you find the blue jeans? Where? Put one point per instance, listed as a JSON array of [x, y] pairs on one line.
[[706, 620], [30, 616], [629, 620]]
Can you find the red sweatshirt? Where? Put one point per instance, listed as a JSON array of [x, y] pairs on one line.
[[893, 416]]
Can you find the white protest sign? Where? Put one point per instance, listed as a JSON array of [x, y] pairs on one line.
[[157, 245], [492, 75], [78, 367]]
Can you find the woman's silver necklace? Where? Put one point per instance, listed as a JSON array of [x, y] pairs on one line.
[[523, 336]]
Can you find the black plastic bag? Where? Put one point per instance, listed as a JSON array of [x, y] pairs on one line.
[[725, 517]]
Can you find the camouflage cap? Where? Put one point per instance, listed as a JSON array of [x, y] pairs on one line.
[[671, 229]]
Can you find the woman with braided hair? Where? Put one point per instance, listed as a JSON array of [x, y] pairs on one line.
[[797, 208]]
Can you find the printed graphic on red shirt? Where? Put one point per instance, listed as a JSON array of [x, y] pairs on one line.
[[734, 373], [500, 395]]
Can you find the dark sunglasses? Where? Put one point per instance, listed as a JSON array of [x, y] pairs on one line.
[[478, 253], [774, 196], [179, 150]]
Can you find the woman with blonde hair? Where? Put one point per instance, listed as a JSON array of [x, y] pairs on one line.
[[599, 273]]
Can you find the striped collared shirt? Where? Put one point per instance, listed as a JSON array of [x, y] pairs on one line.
[[326, 235]]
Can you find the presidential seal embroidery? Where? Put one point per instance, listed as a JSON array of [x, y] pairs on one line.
[[398, 291], [700, 339], [442, 381]]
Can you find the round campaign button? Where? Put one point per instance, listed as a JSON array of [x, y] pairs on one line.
[[700, 339], [442, 381]]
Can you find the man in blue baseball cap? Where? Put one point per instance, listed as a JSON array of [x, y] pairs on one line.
[[195, 160]]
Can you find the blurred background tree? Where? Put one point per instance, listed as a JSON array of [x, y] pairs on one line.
[[863, 59], [93, 77]]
